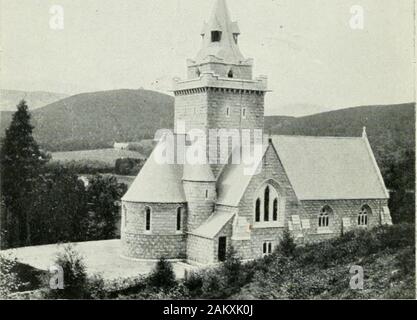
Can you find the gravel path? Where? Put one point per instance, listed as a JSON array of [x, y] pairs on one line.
[[101, 257]]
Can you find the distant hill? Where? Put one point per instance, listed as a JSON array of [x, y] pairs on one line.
[[97, 120], [35, 99]]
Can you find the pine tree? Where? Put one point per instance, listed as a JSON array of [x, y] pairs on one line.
[[20, 162]]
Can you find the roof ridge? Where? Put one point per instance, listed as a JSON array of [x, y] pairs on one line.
[[315, 137]]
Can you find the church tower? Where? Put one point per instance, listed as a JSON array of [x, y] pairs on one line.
[[220, 92]]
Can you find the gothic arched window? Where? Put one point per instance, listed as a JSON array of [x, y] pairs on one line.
[[258, 210], [230, 74], [363, 215], [266, 204], [275, 210], [148, 212], [325, 212]]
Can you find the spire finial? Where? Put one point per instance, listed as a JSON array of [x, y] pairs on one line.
[[364, 134], [220, 36]]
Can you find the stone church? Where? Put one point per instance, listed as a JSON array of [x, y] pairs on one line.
[[315, 187]]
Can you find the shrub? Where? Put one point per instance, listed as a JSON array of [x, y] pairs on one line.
[[214, 285], [194, 284], [287, 245], [406, 261], [95, 288], [163, 276], [233, 271], [75, 276], [9, 279], [128, 166]]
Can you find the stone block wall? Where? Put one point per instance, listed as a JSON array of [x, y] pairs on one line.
[[162, 240], [253, 248], [221, 100], [191, 109], [222, 70], [200, 249], [271, 171], [341, 209], [200, 208]]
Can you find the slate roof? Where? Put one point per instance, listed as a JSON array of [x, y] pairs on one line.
[[233, 182], [319, 168], [328, 168], [213, 225], [157, 183]]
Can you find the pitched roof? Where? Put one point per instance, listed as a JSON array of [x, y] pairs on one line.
[[319, 168], [324, 168], [233, 181], [213, 225], [157, 183]]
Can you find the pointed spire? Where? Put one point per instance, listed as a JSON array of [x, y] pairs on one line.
[[220, 36], [220, 17]]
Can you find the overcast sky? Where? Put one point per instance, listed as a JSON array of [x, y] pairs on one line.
[[307, 48]]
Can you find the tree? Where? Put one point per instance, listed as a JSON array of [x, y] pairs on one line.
[[20, 161], [59, 212], [401, 180], [103, 192], [163, 276]]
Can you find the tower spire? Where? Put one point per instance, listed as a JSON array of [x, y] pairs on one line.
[[220, 37]]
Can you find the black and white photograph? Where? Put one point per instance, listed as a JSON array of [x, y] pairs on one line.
[[217, 150]]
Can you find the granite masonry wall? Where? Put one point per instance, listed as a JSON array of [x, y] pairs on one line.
[[200, 208], [221, 69], [163, 240], [340, 209], [200, 249], [272, 173], [219, 108]]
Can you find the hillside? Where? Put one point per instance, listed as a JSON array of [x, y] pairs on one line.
[[97, 120], [35, 99]]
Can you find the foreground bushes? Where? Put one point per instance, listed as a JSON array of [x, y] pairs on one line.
[[313, 271], [321, 270], [76, 284]]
